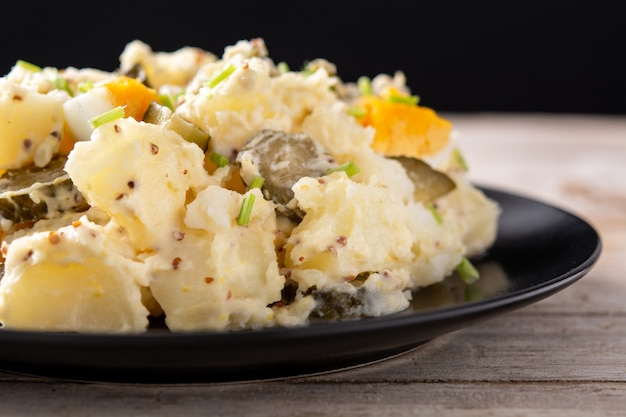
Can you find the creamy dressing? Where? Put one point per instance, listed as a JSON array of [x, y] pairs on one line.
[[57, 197], [167, 235]]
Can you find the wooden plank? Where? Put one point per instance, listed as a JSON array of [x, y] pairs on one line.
[[320, 399], [602, 291], [515, 347]]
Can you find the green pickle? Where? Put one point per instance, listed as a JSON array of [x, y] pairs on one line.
[[32, 193]]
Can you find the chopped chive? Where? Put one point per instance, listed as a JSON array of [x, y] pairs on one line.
[[350, 168], [282, 67], [257, 182], [459, 160], [365, 85], [246, 210], [107, 117], [357, 111], [220, 76], [28, 66], [467, 271], [85, 86], [410, 100], [308, 68], [248, 202], [61, 83], [435, 213], [219, 159], [168, 101]]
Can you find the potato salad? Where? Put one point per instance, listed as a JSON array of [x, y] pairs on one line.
[[224, 192]]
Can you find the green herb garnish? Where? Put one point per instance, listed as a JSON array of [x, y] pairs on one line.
[[107, 117], [282, 67], [467, 271], [435, 213], [409, 100], [85, 86], [357, 111], [220, 76], [350, 168], [308, 68], [248, 202], [257, 182], [365, 86], [168, 101], [60, 83], [28, 66], [246, 210], [458, 160], [219, 159]]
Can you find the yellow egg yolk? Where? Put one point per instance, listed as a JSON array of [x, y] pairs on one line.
[[133, 95], [403, 129]]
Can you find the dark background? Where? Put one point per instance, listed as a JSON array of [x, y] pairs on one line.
[[507, 56]]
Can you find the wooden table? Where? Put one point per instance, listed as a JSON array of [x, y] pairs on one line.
[[563, 356]]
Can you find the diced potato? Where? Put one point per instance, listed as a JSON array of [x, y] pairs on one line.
[[349, 228], [31, 125], [250, 100], [74, 279], [352, 228], [475, 215], [438, 249], [141, 175], [164, 68], [219, 275]]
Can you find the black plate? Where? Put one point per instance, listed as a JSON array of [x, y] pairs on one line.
[[539, 250]]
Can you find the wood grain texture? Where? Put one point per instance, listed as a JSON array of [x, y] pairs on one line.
[[565, 355]]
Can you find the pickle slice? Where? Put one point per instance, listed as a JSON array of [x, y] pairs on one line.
[[163, 116], [282, 158], [430, 184], [333, 305], [32, 193]]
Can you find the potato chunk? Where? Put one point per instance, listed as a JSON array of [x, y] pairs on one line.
[[31, 125], [349, 228], [141, 175], [219, 275], [71, 279]]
